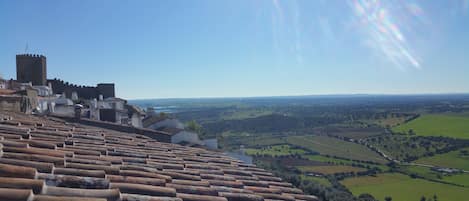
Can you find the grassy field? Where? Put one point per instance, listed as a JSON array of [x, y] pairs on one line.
[[403, 188], [277, 150], [233, 139], [462, 179], [427, 173], [391, 121], [453, 159], [244, 114], [455, 126], [330, 169], [337, 161], [422, 172], [320, 180], [401, 147], [335, 147], [353, 132]]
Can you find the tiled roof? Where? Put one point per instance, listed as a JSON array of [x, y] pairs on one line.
[[152, 119], [48, 159], [170, 130]]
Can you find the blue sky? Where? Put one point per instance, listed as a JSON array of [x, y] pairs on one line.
[[232, 48]]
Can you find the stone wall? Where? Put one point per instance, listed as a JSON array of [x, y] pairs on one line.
[[86, 92], [31, 68]]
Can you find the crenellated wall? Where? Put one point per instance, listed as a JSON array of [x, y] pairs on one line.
[[87, 92]]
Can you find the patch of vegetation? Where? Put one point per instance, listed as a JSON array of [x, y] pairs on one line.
[[330, 169], [245, 113], [402, 187], [232, 140], [461, 179], [325, 189], [353, 132], [455, 126], [274, 151], [455, 159], [335, 147], [409, 148], [390, 121], [321, 180], [426, 173], [341, 161]]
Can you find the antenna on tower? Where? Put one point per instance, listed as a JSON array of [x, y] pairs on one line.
[[26, 48]]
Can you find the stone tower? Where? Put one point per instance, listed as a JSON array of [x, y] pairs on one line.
[[31, 68]]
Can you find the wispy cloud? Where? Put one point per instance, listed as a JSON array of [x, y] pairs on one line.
[[387, 27], [297, 28], [465, 6], [287, 30]]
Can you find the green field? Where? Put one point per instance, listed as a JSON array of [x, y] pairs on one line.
[[453, 159], [337, 161], [456, 126], [244, 114], [321, 180], [391, 121], [427, 173], [403, 188], [330, 169], [462, 179], [277, 150], [335, 147], [403, 147]]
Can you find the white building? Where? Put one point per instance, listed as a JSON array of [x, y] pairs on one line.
[[60, 106], [136, 116], [173, 127], [110, 109], [181, 136], [157, 122]]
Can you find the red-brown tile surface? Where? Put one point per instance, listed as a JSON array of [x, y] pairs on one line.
[[45, 158]]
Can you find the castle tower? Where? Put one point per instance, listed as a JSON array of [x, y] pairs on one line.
[[31, 68]]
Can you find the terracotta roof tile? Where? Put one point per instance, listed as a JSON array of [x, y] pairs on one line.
[[44, 158]]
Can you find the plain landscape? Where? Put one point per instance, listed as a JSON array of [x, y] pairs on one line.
[[389, 147]]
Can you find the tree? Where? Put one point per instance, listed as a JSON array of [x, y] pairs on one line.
[[423, 198], [388, 198], [194, 127], [366, 197]]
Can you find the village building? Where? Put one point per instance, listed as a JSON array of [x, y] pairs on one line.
[[57, 97], [160, 121], [181, 136], [173, 127], [136, 115]]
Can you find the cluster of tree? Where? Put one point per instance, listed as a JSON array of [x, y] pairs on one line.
[[348, 159], [421, 146], [269, 123]]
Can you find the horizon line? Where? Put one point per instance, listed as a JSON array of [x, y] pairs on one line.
[[306, 95]]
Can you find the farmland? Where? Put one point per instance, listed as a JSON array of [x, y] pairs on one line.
[[456, 126], [353, 133], [461, 179], [426, 173], [409, 148], [335, 147], [321, 180], [330, 169], [402, 187], [299, 137], [454, 159], [337, 161], [274, 151]]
